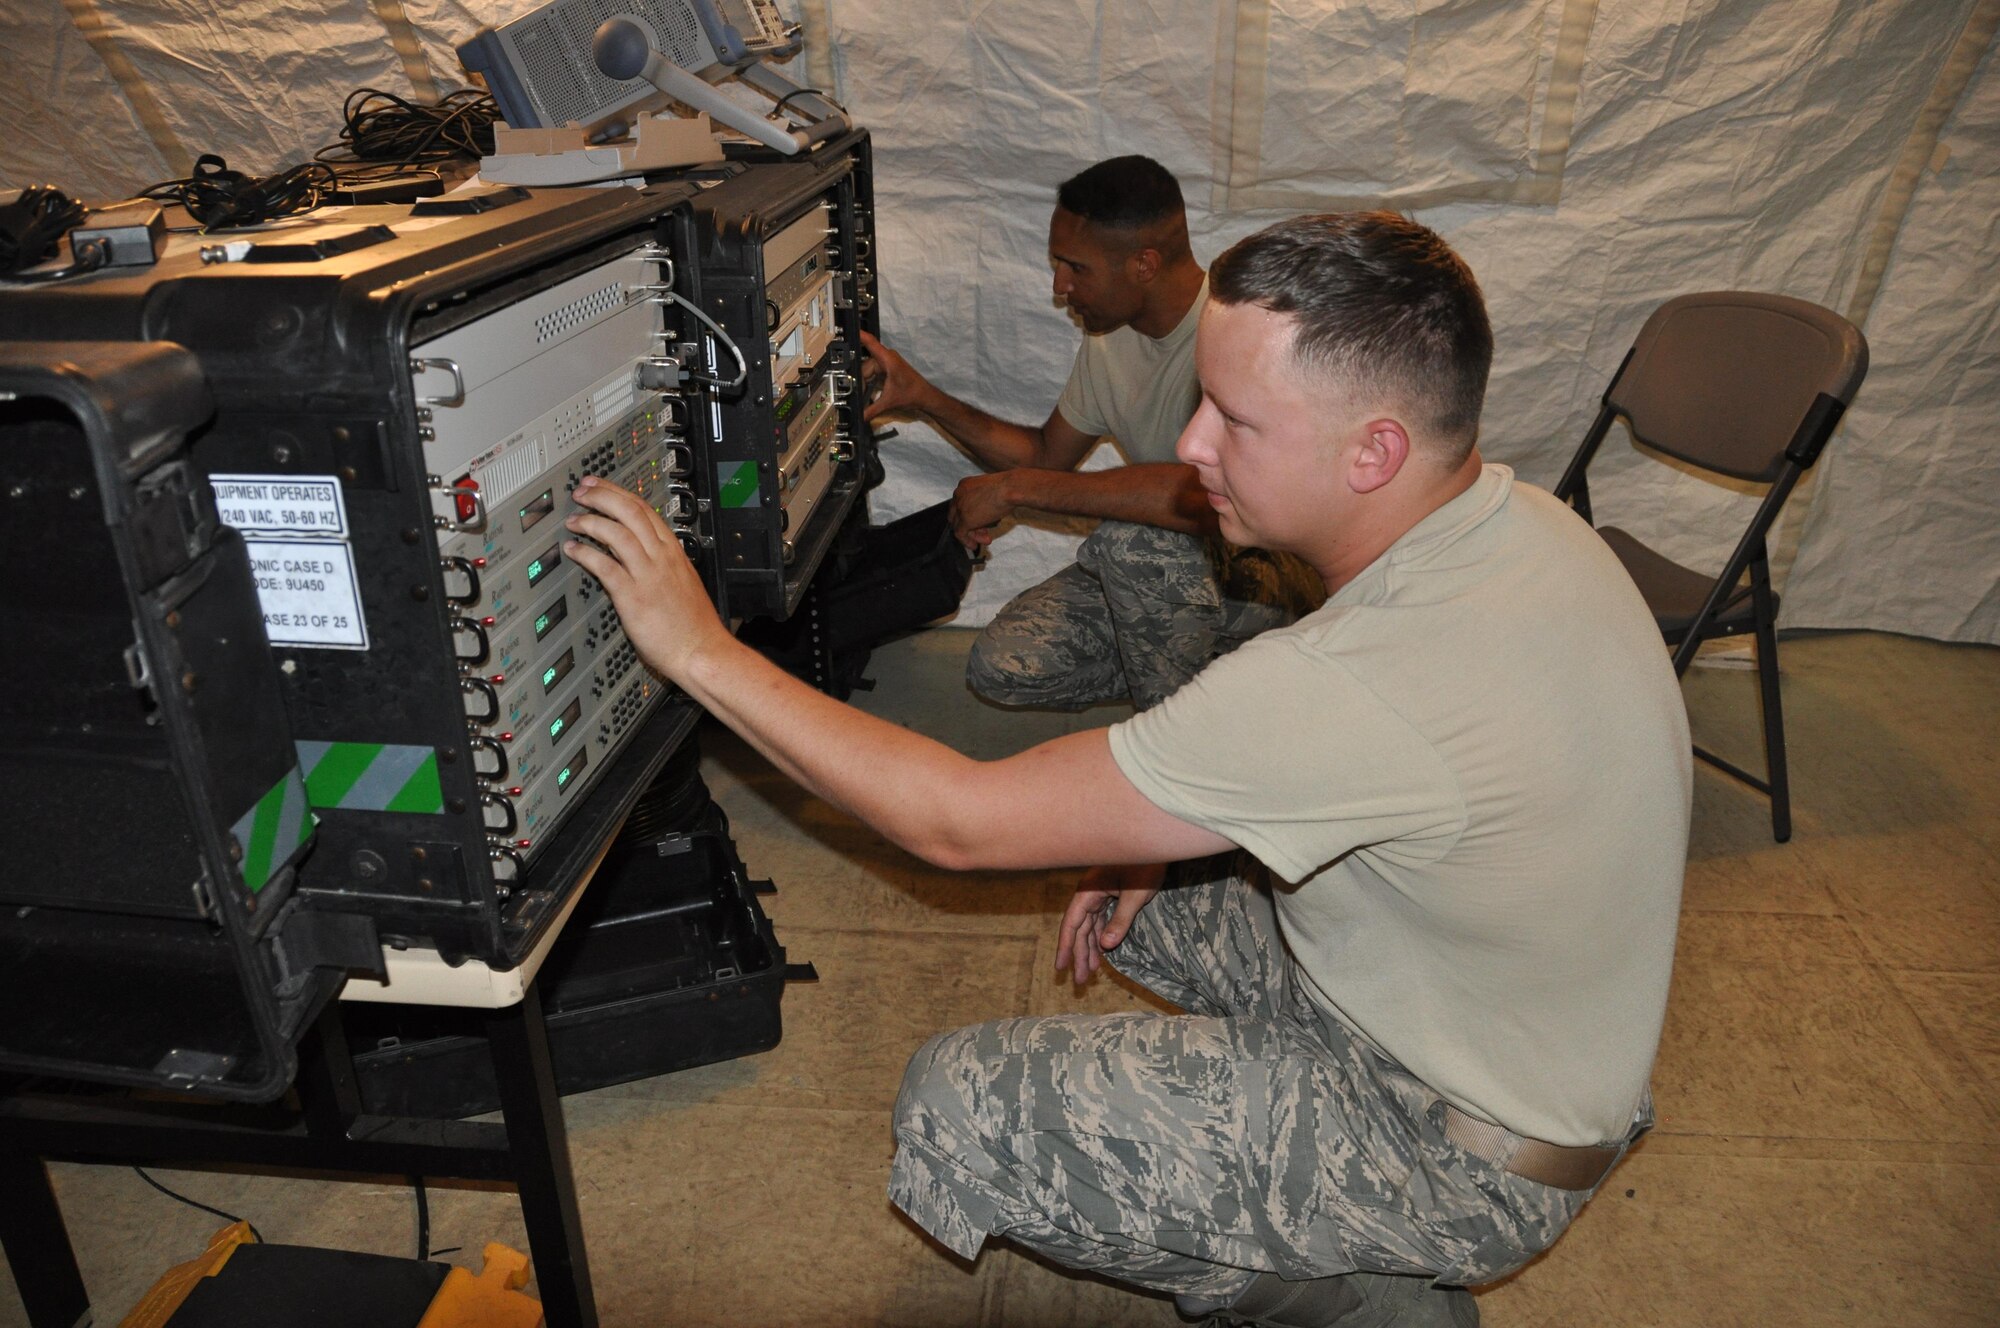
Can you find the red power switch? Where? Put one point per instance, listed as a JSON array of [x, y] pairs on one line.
[[468, 506]]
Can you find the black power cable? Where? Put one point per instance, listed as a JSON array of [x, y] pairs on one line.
[[424, 1250], [383, 131], [192, 1203], [802, 92], [382, 136], [218, 197], [31, 229]]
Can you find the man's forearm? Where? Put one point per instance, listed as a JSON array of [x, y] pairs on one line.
[[995, 443], [1163, 494], [937, 803], [884, 774], [1021, 812]]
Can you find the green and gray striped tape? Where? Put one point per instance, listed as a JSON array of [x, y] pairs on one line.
[[371, 776], [272, 830], [350, 776], [736, 483]]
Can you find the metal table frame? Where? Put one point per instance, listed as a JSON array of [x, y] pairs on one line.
[[329, 1132]]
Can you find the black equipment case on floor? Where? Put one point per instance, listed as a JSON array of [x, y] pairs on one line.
[[668, 963], [877, 583]]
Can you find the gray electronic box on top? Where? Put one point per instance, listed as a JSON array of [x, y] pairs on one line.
[[541, 70]]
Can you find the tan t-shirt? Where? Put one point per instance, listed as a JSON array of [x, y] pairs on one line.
[[1472, 765], [1140, 391]]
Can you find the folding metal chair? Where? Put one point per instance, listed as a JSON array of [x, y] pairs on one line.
[[1739, 384]]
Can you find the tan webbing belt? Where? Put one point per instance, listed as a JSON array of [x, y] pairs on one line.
[[1531, 1159]]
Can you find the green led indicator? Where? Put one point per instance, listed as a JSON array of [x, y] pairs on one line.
[[541, 624], [557, 727], [549, 676], [562, 779], [534, 571]]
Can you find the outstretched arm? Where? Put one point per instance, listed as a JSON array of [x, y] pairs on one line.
[[1064, 803], [1164, 494], [993, 442]]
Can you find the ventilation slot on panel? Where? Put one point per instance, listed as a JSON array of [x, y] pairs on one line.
[[614, 398], [673, 22], [499, 477], [561, 322], [561, 85], [679, 32]]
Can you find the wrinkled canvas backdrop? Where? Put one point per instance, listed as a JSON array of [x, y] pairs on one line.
[[1589, 157]]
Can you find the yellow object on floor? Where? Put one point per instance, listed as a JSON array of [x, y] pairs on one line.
[[158, 1305], [491, 1300]]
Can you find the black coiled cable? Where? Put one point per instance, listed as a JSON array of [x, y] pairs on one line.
[[383, 129], [31, 230], [218, 197], [382, 135]]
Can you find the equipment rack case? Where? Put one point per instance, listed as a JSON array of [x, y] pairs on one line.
[[766, 546], [313, 346]]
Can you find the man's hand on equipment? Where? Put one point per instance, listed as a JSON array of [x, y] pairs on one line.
[[661, 601], [896, 384], [978, 506], [1086, 932]]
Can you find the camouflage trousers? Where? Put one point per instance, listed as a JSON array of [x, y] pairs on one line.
[[1138, 613], [1188, 1153]]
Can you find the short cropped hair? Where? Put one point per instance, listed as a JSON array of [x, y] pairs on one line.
[[1382, 305], [1124, 193]]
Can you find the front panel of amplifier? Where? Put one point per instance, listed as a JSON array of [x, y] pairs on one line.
[[518, 407]]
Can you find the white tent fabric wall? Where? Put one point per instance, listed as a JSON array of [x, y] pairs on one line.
[[1928, 424], [1590, 157], [1728, 145]]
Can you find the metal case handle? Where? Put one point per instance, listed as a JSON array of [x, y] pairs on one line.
[[457, 397], [485, 651], [459, 494], [457, 564], [500, 800], [470, 685], [500, 766]]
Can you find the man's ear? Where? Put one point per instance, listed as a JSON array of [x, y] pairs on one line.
[[1385, 446], [1145, 264]]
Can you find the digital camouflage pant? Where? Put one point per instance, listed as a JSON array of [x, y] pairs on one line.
[[1188, 1153], [1139, 612]]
